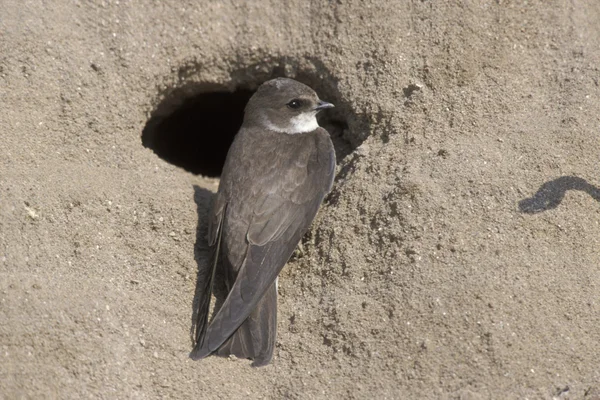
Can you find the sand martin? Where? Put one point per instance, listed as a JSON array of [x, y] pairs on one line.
[[277, 172]]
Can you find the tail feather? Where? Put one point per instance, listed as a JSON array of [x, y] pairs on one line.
[[255, 338]]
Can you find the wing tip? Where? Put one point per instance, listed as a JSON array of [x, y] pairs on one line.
[[200, 352]]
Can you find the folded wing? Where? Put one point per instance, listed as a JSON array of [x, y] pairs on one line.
[[282, 208]]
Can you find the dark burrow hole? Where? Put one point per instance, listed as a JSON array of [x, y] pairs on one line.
[[197, 135], [195, 131]]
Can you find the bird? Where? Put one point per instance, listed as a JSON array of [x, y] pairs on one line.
[[277, 172]]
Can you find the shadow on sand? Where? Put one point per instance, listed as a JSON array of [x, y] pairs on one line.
[[551, 194]]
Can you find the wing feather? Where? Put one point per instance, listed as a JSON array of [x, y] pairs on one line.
[[215, 226]]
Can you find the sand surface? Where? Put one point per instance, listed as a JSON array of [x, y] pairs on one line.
[[457, 257]]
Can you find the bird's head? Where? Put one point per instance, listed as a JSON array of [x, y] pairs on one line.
[[285, 105]]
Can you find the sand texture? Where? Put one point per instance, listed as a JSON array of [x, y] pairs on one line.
[[457, 257]]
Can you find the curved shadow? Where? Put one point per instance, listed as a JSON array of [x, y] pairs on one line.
[[551, 194]]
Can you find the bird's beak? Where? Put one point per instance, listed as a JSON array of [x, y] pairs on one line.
[[323, 105]]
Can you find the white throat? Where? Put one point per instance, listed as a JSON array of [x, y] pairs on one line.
[[305, 122]]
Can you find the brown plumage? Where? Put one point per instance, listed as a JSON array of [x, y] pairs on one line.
[[277, 172]]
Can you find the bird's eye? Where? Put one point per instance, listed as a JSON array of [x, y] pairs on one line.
[[295, 104]]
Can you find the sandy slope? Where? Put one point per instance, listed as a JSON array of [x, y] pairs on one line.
[[457, 256]]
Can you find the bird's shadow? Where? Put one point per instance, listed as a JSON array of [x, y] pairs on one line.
[[202, 256], [551, 194]]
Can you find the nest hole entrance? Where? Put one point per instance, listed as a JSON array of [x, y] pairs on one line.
[[196, 135], [194, 125]]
